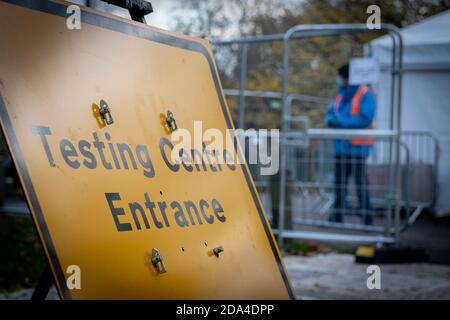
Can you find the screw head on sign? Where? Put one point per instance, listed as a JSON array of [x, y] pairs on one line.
[[171, 121]]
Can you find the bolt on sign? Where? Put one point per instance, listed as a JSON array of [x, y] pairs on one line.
[[87, 116]]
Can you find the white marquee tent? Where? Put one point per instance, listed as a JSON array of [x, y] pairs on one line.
[[426, 91]]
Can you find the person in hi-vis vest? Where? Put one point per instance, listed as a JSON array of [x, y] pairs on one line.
[[353, 108]]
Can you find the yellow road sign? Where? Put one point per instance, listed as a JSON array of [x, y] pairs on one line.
[[105, 197]]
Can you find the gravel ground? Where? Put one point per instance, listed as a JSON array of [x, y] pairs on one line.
[[25, 294], [337, 276]]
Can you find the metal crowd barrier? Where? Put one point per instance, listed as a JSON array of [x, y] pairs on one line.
[[311, 167], [311, 186], [420, 185], [299, 32]]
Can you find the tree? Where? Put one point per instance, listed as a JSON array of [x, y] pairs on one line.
[[313, 61]]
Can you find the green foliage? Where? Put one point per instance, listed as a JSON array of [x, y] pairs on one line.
[[302, 248], [21, 255]]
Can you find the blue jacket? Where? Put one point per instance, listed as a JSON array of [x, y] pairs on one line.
[[343, 120]]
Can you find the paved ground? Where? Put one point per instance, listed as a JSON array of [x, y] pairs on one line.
[[25, 294], [431, 234], [336, 276]]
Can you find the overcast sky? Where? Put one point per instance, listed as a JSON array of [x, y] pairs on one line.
[[161, 14], [164, 13], [160, 17]]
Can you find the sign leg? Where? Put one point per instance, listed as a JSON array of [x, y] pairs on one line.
[[44, 284]]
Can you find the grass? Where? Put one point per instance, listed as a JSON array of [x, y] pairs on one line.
[[302, 248], [21, 255]]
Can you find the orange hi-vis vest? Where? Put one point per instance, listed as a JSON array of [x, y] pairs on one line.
[[354, 111]]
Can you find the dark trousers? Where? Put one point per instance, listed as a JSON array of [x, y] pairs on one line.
[[347, 166]]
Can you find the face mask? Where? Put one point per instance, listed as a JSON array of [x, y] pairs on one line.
[[340, 81]]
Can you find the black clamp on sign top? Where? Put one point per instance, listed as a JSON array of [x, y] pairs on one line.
[[138, 8]]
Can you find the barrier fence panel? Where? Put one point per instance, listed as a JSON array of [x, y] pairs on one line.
[[341, 191], [420, 185], [312, 169], [320, 170], [327, 193]]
